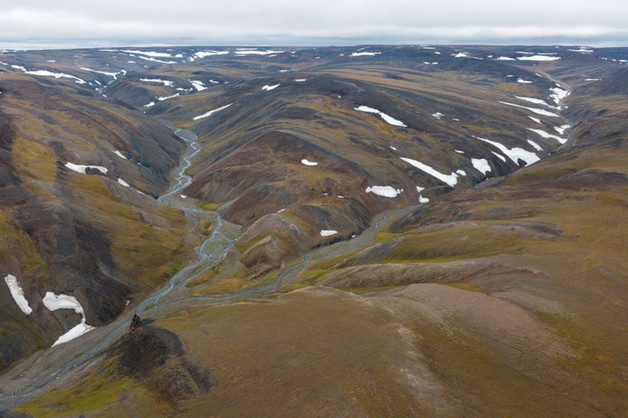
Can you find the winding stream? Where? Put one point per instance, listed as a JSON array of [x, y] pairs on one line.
[[57, 365], [47, 367]]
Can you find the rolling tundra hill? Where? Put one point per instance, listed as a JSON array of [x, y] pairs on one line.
[[363, 231]]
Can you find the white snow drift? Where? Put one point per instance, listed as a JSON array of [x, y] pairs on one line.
[[82, 168], [538, 58], [548, 135], [450, 179], [166, 83], [515, 154], [309, 163], [211, 112], [328, 232], [385, 191], [54, 302], [269, 87], [46, 73], [389, 119], [541, 112], [18, 294], [481, 164], [198, 85]]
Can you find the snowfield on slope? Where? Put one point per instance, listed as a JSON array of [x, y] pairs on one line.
[[548, 135], [83, 168], [166, 83], [198, 85], [328, 232], [46, 73], [384, 191], [269, 87], [18, 294], [513, 153], [54, 302], [211, 112], [389, 119], [450, 179], [481, 164], [541, 112], [538, 58], [308, 163]]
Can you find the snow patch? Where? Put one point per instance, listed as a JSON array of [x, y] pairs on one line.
[[389, 119], [149, 53], [122, 182], [161, 99], [537, 120], [110, 74], [151, 104], [385, 191], [535, 145], [501, 157], [256, 52], [269, 88], [77, 331], [522, 81], [82, 168], [166, 83], [211, 112], [18, 294], [481, 165], [515, 154], [533, 100], [548, 135], [438, 115], [421, 198], [198, 85], [308, 163], [538, 58], [459, 151], [46, 73], [561, 129], [364, 54], [582, 50], [119, 154], [558, 94], [504, 59], [450, 179], [203, 54], [54, 302], [300, 80], [328, 232], [541, 112]]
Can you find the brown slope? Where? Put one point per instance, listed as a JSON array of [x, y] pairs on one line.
[[80, 234]]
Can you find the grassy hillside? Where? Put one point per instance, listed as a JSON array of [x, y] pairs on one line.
[[500, 294], [82, 234]]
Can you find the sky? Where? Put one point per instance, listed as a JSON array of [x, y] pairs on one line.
[[87, 23]]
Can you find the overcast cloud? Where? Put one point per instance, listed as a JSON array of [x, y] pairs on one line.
[[71, 23]]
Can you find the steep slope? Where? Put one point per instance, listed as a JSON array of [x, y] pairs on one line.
[[78, 216]]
